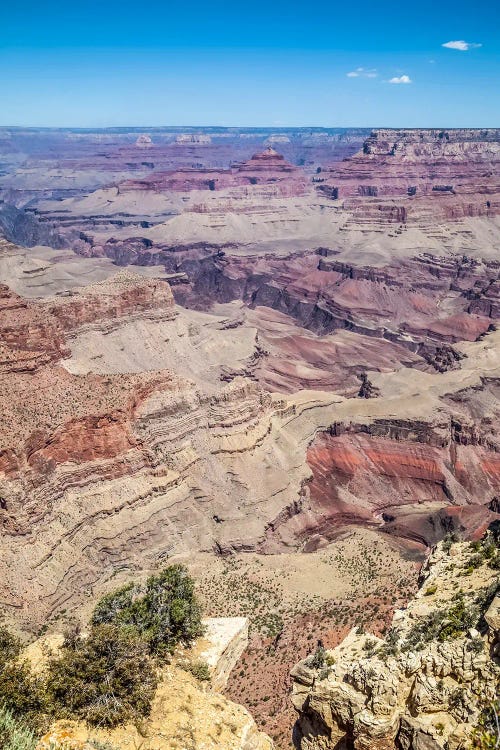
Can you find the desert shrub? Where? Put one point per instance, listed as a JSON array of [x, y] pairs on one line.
[[14, 735], [476, 645], [458, 619], [486, 549], [495, 561], [475, 561], [200, 670], [390, 646], [449, 540], [164, 611], [486, 735], [443, 624], [317, 660], [430, 590], [105, 679], [22, 693], [10, 645]]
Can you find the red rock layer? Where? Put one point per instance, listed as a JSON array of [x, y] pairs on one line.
[[436, 175], [32, 333], [265, 168], [400, 484]]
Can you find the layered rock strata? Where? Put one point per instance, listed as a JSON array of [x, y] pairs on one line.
[[434, 174], [117, 457], [264, 168]]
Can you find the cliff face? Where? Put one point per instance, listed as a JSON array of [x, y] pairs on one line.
[[424, 685], [134, 430], [448, 175]]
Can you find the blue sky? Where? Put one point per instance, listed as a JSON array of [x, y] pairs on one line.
[[98, 64]]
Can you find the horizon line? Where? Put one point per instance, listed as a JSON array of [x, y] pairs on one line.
[[250, 127]]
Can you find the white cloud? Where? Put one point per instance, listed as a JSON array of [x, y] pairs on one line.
[[400, 79], [461, 45], [363, 73]]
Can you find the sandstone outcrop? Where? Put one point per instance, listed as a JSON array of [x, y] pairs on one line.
[[424, 684]]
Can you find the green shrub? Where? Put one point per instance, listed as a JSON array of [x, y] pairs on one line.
[[13, 734], [10, 645], [164, 611], [430, 590], [475, 561], [486, 735], [449, 540], [476, 645], [105, 679], [495, 561], [22, 693], [200, 670], [443, 624], [317, 660]]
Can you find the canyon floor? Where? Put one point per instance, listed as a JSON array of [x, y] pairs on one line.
[[272, 355]]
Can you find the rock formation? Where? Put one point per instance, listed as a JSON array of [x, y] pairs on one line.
[[126, 418], [264, 168], [448, 174], [307, 350], [424, 684], [182, 707]]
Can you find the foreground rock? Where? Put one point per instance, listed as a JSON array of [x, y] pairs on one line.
[[185, 712], [423, 687]]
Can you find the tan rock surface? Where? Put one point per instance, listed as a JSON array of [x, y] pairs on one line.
[[409, 690], [184, 714]]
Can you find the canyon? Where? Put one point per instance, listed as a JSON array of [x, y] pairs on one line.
[[264, 353]]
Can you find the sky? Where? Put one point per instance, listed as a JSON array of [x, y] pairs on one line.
[[281, 63]]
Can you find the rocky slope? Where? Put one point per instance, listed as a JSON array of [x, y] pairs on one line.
[[184, 710], [424, 684]]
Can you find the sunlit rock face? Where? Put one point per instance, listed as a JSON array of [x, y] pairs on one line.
[[423, 685], [435, 174], [276, 316]]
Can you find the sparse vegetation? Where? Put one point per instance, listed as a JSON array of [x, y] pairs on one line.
[[107, 676], [22, 694], [449, 540], [317, 660], [14, 735], [486, 735], [200, 670]]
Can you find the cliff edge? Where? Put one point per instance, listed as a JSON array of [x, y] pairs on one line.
[[424, 686]]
